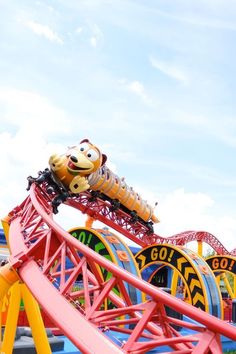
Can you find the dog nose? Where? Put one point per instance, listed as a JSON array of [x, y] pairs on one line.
[[74, 159]]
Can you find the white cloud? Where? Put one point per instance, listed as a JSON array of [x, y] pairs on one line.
[[79, 30], [170, 70], [179, 206], [28, 122], [210, 124], [22, 154], [31, 111], [137, 88], [92, 32], [93, 42], [210, 22], [44, 31], [181, 211], [97, 37]]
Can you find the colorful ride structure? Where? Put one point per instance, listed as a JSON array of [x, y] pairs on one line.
[[89, 283]]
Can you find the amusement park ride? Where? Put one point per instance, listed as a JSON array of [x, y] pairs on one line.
[[90, 285]]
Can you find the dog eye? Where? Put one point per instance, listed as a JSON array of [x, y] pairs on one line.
[[92, 155], [83, 147]]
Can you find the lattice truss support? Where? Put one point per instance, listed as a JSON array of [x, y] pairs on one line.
[[137, 231], [65, 277], [187, 236]]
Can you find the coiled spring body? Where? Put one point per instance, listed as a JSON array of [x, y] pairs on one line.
[[108, 183]]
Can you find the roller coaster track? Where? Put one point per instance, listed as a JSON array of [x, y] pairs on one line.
[[233, 252], [136, 231], [188, 236], [40, 250]]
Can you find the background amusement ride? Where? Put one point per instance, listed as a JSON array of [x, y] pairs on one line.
[[88, 284]]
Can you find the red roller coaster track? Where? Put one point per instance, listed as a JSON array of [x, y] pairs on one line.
[[40, 251], [136, 231], [188, 236]]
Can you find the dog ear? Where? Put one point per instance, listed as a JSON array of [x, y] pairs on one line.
[[104, 158], [84, 141]]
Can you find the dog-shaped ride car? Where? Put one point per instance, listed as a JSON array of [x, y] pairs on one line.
[[73, 168]]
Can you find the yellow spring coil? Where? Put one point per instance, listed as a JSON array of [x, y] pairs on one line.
[[105, 181]]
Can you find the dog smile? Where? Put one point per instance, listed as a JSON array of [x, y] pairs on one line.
[[74, 167]]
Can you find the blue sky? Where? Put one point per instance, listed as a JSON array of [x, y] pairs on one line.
[[152, 83]]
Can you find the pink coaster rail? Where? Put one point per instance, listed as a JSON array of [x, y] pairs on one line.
[[40, 251]]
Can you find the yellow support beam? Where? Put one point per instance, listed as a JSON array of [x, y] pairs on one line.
[[218, 280], [228, 286], [17, 292], [8, 277], [174, 282], [200, 248], [234, 286], [35, 321], [12, 318], [89, 222], [6, 225], [1, 320]]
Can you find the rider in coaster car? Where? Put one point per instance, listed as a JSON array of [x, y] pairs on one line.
[[73, 168]]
